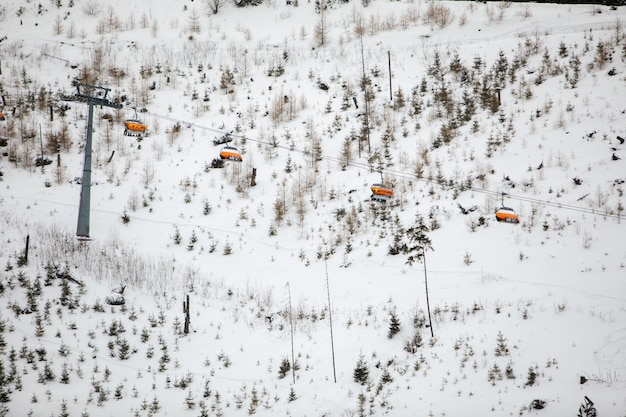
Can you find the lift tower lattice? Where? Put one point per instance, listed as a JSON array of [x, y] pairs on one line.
[[93, 96]]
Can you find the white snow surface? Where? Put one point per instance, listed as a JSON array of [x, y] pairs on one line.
[[553, 285]]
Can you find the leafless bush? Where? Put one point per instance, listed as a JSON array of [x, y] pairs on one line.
[[490, 12], [525, 12], [619, 31], [112, 20], [359, 26], [438, 14], [390, 22], [133, 200], [214, 6], [277, 108], [373, 25], [194, 22], [71, 30], [408, 17], [92, 8], [144, 21], [57, 26], [462, 19]]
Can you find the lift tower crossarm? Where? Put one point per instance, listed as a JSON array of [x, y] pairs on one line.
[[93, 96]]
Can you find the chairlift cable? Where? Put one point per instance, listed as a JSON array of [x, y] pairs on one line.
[[394, 172]]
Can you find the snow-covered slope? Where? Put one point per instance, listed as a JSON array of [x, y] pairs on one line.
[[468, 107]]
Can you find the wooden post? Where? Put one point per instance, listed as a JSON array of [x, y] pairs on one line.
[[330, 319], [187, 318], [253, 178], [390, 90], [26, 249], [430, 321], [293, 357], [59, 170], [51, 114]]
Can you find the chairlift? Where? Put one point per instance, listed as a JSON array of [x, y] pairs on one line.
[[42, 161], [231, 153], [382, 190], [134, 126], [2, 105], [506, 214]]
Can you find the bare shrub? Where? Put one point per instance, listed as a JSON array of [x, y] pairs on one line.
[[438, 14], [409, 16], [525, 12], [502, 6], [359, 26], [373, 25], [214, 6], [490, 12], [133, 200], [390, 22], [71, 30], [462, 19], [92, 8], [619, 31], [57, 26]]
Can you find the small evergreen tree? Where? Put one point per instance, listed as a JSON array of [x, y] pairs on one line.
[[64, 411], [494, 374], [228, 248], [204, 410], [285, 367], [532, 376], [394, 324], [189, 401], [227, 80], [5, 396], [501, 346], [386, 377], [292, 395], [217, 405], [176, 237], [398, 99], [206, 208], [362, 405], [192, 240], [154, 405], [206, 393], [361, 371], [123, 349], [39, 325], [65, 374], [66, 293], [254, 401], [510, 374], [119, 392], [414, 343], [288, 165]]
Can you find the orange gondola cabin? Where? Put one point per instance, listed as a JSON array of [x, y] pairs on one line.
[[134, 127], [506, 214], [381, 190], [231, 153]]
